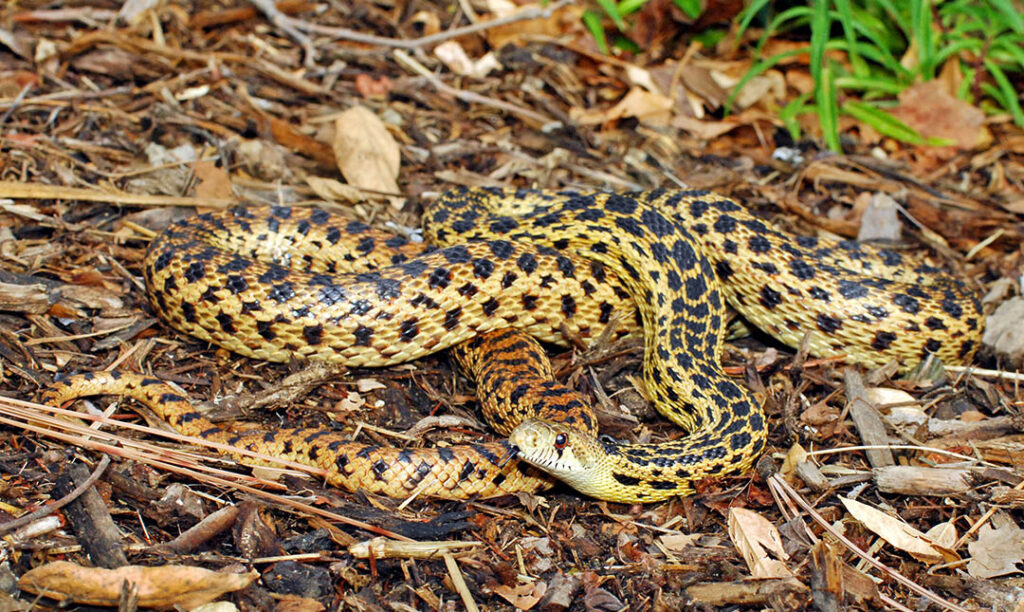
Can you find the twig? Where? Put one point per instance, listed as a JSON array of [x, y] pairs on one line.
[[467, 96], [289, 26], [997, 374], [788, 492], [60, 503], [415, 43]]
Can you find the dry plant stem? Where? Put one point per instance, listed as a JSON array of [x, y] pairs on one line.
[[155, 457], [997, 374], [415, 43], [289, 26], [35, 515], [36, 191], [787, 492], [460, 583], [468, 97], [383, 548]]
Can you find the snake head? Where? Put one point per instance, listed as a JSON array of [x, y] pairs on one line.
[[574, 457]]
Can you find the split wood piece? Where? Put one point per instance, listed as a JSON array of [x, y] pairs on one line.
[[938, 482], [779, 593]]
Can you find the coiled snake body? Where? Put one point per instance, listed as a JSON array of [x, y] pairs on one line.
[[262, 282]]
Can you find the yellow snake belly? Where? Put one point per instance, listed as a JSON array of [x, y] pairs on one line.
[[260, 282]]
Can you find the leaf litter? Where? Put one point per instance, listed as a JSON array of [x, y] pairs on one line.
[[294, 103]]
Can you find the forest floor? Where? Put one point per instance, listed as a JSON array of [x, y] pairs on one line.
[[113, 126]]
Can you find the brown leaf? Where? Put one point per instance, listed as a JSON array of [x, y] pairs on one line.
[[932, 111], [365, 151], [998, 550], [755, 537], [213, 181]]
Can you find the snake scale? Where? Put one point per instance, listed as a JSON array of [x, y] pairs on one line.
[[285, 284]]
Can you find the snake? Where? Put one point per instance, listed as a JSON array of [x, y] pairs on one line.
[[509, 265]]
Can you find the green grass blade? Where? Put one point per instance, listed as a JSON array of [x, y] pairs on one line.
[[870, 84], [612, 10], [845, 14], [1009, 93], [789, 113], [628, 7], [797, 15], [819, 37], [828, 109], [883, 122], [747, 16], [690, 7], [1010, 14], [592, 19]]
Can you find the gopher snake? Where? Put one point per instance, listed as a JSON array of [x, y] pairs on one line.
[[259, 282]]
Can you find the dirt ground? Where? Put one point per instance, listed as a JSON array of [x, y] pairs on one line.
[[114, 125]]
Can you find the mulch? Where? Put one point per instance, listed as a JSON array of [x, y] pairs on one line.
[[112, 127]]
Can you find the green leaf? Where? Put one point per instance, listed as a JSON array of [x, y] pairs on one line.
[[592, 19], [828, 109], [797, 14], [870, 84], [690, 7], [1010, 14], [1009, 93], [612, 10], [789, 113], [628, 7], [820, 24], [850, 31], [883, 122], [747, 16]]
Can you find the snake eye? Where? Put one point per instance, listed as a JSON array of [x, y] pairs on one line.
[[561, 440]]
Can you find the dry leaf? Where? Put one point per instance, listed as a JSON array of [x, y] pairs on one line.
[[365, 151], [523, 596], [998, 550], [213, 181], [159, 587], [646, 106], [562, 21], [459, 62], [934, 113], [885, 396], [334, 191], [754, 537], [677, 542], [705, 130], [899, 534]]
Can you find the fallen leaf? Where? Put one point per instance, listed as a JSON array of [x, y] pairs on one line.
[[899, 534], [334, 191], [368, 87], [459, 62], [755, 537], [523, 596], [998, 550], [159, 587], [365, 151], [213, 181], [935, 113], [678, 542], [646, 106]]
